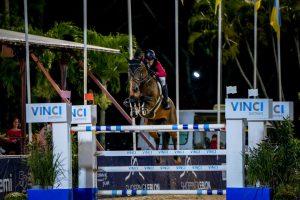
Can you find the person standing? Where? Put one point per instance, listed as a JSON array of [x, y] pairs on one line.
[[155, 68]]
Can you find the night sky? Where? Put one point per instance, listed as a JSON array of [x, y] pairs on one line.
[[153, 23]]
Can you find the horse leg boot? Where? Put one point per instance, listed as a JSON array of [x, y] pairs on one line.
[[166, 103]]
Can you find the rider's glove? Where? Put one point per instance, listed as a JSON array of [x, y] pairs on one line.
[[152, 73]]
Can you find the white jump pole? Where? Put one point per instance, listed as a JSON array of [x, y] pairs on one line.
[[235, 137], [160, 192], [86, 115], [174, 127], [256, 131], [62, 146]]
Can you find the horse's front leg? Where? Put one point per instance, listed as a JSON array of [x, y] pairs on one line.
[[177, 159], [134, 106], [156, 137]]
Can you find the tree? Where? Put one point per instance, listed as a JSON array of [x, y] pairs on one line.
[[107, 67]]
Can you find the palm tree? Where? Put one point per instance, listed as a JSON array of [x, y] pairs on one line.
[[65, 31], [237, 27], [108, 67]]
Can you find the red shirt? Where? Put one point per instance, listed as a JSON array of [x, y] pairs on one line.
[[159, 70], [14, 134], [213, 144]]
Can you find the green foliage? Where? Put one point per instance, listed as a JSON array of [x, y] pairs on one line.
[[44, 166], [15, 196], [102, 101], [74, 160], [107, 66], [276, 161]]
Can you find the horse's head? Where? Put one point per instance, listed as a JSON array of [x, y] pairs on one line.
[[137, 74]]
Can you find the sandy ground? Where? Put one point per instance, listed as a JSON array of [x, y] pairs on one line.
[[169, 197]]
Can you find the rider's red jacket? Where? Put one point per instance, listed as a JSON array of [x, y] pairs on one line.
[[159, 69]]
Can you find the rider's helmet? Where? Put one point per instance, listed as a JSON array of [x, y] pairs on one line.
[[150, 55]]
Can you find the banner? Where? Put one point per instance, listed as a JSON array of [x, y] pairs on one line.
[[13, 175], [161, 180]]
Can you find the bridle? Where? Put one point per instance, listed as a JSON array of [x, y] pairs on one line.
[[141, 78]]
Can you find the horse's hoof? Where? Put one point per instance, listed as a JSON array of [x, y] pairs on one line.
[[177, 160], [157, 160]]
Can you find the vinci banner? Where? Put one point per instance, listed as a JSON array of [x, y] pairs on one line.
[[166, 178]]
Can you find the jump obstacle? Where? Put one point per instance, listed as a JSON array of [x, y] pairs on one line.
[[236, 113], [159, 128]]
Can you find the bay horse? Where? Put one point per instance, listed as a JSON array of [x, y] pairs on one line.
[[145, 100]]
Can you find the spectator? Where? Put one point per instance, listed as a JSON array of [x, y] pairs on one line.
[[15, 136], [214, 141]]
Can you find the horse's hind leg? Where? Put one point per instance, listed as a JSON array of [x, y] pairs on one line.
[[174, 140]]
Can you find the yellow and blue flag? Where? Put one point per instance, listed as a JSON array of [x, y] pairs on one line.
[[257, 4], [275, 19], [216, 5]]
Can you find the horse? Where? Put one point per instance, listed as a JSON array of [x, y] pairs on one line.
[[145, 100]]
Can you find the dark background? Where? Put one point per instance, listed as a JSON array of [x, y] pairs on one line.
[[153, 25]]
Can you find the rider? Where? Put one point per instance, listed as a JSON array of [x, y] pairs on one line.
[[155, 68]]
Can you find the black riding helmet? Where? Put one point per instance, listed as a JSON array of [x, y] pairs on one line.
[[150, 55]]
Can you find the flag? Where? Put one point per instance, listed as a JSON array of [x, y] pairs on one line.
[[231, 90], [275, 19], [216, 5], [253, 93], [65, 94], [257, 4], [89, 97]]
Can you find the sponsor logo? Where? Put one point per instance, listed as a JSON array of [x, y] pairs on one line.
[[6, 184], [196, 185], [47, 110], [149, 186], [79, 112], [247, 106]]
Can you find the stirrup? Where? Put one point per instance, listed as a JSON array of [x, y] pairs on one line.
[[166, 105]]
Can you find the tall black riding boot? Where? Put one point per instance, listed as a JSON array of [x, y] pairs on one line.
[[166, 103]]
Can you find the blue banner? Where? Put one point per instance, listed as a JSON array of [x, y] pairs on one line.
[[13, 175], [164, 180]]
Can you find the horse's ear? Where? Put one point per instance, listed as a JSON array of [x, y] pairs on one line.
[[138, 53]]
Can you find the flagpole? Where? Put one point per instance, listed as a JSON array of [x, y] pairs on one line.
[[177, 69], [219, 62], [255, 48], [278, 50], [85, 50], [279, 66]]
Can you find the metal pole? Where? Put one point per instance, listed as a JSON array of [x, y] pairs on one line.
[[177, 70], [255, 48], [279, 66], [84, 50], [130, 57], [27, 66], [219, 62], [219, 71], [279, 54]]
